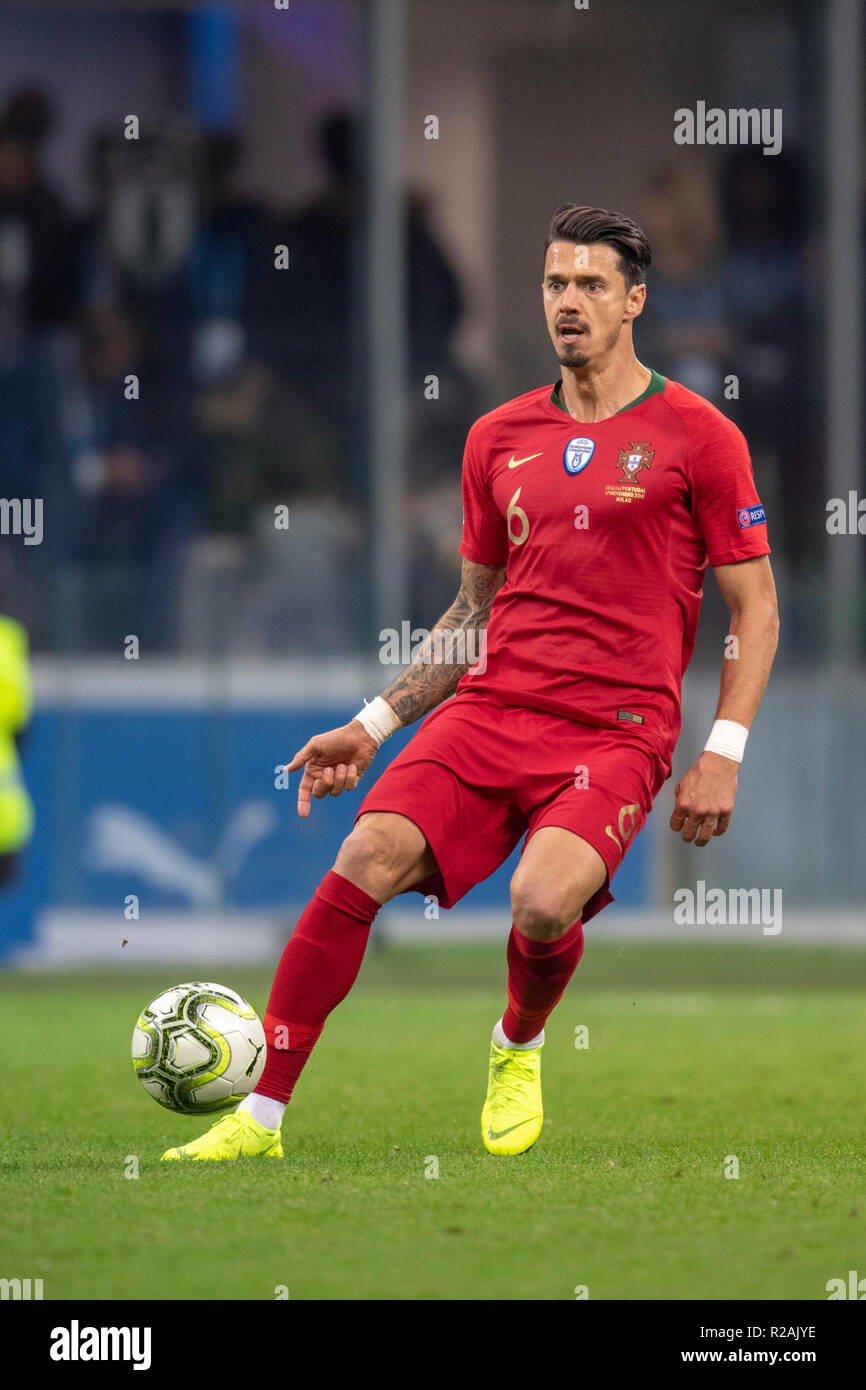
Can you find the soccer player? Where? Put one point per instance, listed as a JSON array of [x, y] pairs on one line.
[[591, 512]]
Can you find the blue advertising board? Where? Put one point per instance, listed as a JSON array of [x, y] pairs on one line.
[[181, 808]]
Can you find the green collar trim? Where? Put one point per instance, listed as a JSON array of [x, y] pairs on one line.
[[656, 383]]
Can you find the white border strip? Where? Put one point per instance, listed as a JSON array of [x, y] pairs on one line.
[[66, 938], [165, 683]]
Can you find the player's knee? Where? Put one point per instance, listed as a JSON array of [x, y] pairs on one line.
[[369, 858], [543, 912]]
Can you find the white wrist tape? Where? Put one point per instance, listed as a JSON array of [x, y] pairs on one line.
[[727, 738], [379, 719]]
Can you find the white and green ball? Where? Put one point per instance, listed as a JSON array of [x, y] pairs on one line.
[[198, 1047]]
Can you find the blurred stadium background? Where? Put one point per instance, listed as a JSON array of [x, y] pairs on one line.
[[408, 157]]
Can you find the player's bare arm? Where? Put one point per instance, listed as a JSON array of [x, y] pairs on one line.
[[705, 795], [336, 761], [439, 663]]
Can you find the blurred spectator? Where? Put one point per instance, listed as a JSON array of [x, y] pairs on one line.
[[317, 302], [38, 299], [766, 231], [316, 330], [37, 264], [683, 330], [137, 242], [133, 489], [230, 267], [767, 228], [323, 244], [260, 446]]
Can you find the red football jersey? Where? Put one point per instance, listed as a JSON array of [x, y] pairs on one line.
[[606, 530]]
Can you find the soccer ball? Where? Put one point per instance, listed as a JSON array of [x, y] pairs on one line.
[[198, 1047]]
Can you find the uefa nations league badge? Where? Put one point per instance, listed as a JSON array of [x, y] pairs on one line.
[[578, 453]]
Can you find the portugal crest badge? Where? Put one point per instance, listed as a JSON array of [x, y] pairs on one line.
[[633, 458]]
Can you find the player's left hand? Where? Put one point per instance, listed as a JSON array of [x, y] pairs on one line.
[[705, 799]]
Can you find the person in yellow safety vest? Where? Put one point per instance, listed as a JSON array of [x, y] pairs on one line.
[[16, 706]]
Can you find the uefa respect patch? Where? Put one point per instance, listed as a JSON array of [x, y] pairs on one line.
[[751, 516]]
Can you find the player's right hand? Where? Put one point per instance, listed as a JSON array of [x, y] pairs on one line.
[[332, 763]]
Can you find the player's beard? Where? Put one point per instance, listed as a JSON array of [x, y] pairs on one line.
[[574, 354], [573, 357]]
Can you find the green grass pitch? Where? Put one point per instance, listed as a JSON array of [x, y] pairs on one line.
[[695, 1054]]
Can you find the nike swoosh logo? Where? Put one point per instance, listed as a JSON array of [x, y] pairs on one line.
[[500, 1134], [515, 463]]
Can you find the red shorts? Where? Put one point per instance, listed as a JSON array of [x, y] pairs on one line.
[[477, 775]]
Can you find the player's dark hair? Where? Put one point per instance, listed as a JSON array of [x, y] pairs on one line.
[[588, 226]]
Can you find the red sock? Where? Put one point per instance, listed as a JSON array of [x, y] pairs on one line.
[[316, 971], [538, 972]]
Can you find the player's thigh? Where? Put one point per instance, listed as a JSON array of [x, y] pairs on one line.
[[557, 875], [384, 854]]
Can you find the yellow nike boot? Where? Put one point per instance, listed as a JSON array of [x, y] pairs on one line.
[[235, 1136], [513, 1114]]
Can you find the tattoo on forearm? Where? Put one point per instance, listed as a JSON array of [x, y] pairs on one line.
[[455, 644]]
